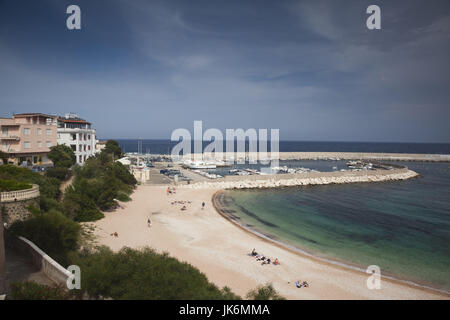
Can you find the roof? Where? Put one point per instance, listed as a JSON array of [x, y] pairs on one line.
[[73, 120], [21, 115]]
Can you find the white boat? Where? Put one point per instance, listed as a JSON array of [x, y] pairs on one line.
[[199, 165]]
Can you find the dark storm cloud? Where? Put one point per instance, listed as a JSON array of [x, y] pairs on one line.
[[310, 68]]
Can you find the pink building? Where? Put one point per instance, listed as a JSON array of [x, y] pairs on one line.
[[27, 138]]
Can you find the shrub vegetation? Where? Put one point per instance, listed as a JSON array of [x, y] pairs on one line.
[[13, 185], [62, 156], [48, 186], [51, 231], [144, 274], [29, 290], [96, 186]]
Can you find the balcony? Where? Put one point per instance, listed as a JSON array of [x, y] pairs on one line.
[[9, 137]]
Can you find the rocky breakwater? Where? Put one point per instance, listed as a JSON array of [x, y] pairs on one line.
[[305, 179]]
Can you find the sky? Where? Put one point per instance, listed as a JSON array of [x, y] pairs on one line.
[[311, 69]]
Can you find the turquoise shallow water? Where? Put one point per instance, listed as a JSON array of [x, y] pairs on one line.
[[403, 227]]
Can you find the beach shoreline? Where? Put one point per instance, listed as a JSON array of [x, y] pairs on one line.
[[203, 238], [300, 251]]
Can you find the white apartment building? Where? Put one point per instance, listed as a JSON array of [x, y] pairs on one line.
[[77, 134]]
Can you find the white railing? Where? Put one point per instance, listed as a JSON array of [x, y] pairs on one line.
[[19, 195]]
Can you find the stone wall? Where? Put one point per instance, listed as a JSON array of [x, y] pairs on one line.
[[14, 211], [304, 179], [14, 204]]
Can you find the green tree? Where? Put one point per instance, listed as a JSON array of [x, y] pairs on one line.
[[266, 292], [78, 206], [51, 231], [62, 156], [59, 173], [113, 147]]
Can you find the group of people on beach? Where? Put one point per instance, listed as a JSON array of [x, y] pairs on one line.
[[303, 284], [263, 259], [183, 202], [170, 190]]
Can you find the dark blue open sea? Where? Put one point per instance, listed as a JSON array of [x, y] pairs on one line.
[[165, 146], [403, 227]]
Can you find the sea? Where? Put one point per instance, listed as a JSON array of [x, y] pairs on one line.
[[403, 227]]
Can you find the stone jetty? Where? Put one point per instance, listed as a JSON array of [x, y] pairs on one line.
[[304, 179]]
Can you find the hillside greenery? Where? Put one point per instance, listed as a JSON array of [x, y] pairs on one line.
[[62, 156], [144, 274], [48, 186], [51, 231], [96, 187], [13, 185]]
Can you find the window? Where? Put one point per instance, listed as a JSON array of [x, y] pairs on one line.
[[48, 144], [74, 137], [80, 158], [49, 132], [26, 131], [27, 145], [80, 147], [89, 148], [84, 147], [89, 137], [39, 131], [39, 144]]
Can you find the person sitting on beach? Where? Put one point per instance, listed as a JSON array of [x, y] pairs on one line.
[[305, 284], [276, 261], [297, 284], [261, 259], [254, 253], [203, 207], [268, 261], [183, 208]]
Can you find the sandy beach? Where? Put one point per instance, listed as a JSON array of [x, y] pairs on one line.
[[220, 249]]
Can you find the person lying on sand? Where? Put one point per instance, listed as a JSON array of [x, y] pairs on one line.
[[266, 262], [303, 284]]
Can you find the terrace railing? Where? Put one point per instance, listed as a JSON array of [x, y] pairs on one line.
[[20, 195]]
